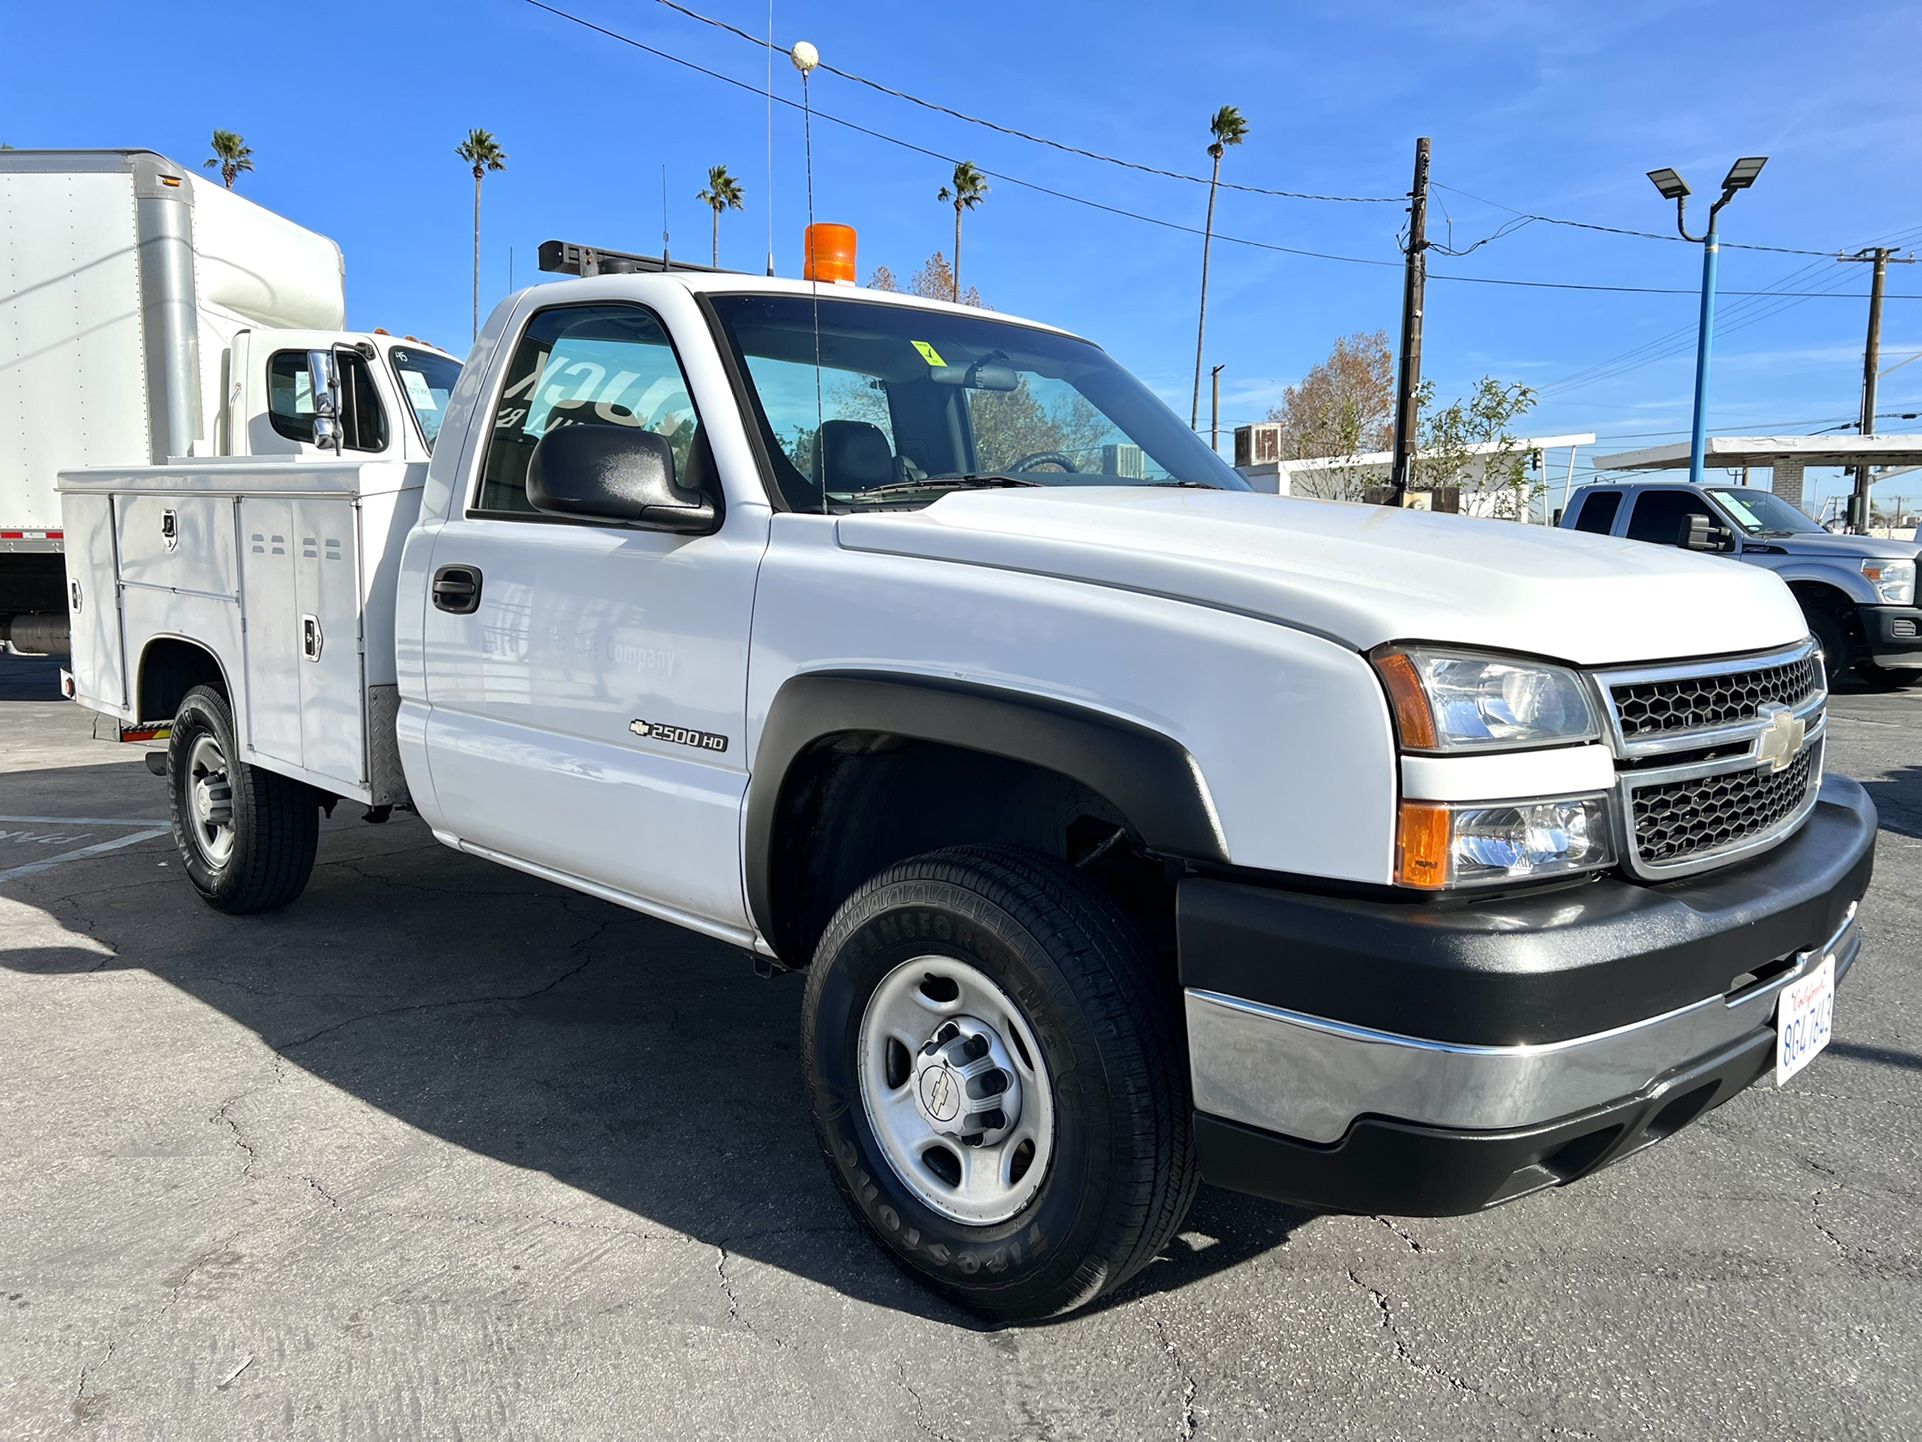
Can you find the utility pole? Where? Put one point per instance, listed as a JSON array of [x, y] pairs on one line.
[[1214, 410], [1414, 286], [1859, 513]]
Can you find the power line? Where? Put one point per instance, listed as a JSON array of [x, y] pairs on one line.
[[1123, 211], [1630, 231], [1675, 342], [1525, 217], [1028, 136]]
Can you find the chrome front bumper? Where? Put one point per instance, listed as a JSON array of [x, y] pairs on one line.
[[1310, 1078]]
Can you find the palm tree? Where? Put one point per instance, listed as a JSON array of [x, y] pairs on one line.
[[484, 153], [1229, 129], [969, 190], [231, 155], [723, 193]]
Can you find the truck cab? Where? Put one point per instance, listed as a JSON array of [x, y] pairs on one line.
[[392, 395], [1858, 592]]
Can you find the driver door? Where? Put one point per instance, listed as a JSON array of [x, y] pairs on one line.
[[588, 680]]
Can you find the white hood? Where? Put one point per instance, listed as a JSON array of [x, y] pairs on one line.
[[1360, 574]]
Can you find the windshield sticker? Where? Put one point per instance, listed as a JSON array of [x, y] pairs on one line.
[[1743, 514], [928, 353], [418, 391]]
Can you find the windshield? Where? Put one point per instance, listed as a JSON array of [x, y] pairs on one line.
[[426, 379], [909, 403], [1763, 513]]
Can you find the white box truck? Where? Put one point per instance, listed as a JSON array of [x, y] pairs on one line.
[[1132, 828], [146, 315]]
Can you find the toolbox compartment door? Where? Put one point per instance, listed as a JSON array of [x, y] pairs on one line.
[[98, 660], [333, 708], [271, 607]]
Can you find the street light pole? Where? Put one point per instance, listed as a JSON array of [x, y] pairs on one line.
[[1704, 338], [1741, 176]]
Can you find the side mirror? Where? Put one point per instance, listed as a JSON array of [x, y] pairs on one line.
[[1704, 535], [323, 376], [614, 473]]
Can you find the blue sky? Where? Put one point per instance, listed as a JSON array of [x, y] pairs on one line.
[[354, 108]]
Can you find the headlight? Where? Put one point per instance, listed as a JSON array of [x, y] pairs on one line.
[[1447, 701], [1479, 844], [1893, 581]]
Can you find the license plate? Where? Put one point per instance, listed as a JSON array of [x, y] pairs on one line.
[[1803, 1019]]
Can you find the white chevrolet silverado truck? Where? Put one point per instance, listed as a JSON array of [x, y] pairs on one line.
[[1133, 829]]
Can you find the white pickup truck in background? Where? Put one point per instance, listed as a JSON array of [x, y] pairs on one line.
[[147, 314], [1133, 828]]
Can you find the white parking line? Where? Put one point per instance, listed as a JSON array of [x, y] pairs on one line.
[[15, 873], [90, 820]]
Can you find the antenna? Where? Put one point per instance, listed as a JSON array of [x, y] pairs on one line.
[[805, 58], [663, 212], [770, 137]]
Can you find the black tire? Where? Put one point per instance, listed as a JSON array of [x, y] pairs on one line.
[[1108, 1022], [275, 819], [1831, 631]]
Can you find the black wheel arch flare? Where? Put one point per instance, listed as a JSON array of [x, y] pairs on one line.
[[1149, 777]]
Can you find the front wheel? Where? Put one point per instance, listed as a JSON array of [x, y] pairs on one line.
[[246, 836], [1831, 631], [997, 1080]]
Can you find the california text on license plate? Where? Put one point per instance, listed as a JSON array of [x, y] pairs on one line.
[[1803, 1019]]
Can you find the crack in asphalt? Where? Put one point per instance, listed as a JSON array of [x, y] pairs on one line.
[[88, 1405], [498, 999], [734, 1313], [1402, 1232], [1408, 1359], [1185, 1426], [88, 1402], [223, 1114], [924, 1416]]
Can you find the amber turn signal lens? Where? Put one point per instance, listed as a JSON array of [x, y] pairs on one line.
[[1422, 840], [1414, 722], [830, 253]]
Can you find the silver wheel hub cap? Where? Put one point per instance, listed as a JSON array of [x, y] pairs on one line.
[[956, 1090], [209, 797]]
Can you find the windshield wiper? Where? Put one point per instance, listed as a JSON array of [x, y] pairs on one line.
[[947, 483], [1184, 485]]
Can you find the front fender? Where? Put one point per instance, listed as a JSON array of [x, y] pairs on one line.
[[1845, 580], [1150, 779]]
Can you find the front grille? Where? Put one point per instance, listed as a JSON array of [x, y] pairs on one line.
[[1690, 703], [1676, 820]]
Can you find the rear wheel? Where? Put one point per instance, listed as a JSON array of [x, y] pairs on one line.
[[997, 1080], [246, 836]]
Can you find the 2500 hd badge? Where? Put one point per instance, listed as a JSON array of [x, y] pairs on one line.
[[679, 735]]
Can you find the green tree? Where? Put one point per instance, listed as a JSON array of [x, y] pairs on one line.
[[723, 193], [970, 188], [481, 151], [1448, 454], [1228, 128], [232, 154]]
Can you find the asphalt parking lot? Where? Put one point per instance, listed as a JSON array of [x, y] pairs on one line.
[[443, 1151]]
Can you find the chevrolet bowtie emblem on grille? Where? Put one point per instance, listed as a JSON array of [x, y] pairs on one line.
[[1781, 742]]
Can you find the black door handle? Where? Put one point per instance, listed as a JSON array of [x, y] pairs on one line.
[[457, 589]]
